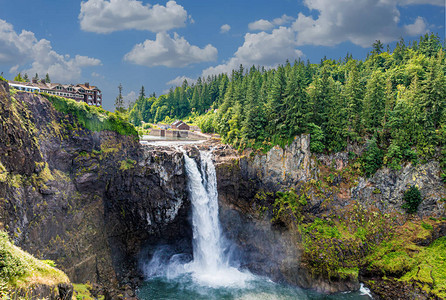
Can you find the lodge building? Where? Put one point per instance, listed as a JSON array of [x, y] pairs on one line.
[[81, 92]]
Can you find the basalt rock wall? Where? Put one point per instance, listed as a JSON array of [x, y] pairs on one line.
[[90, 201], [274, 247]]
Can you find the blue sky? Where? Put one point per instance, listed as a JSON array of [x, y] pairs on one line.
[[159, 43]]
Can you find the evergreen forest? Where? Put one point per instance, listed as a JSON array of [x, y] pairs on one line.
[[394, 101]]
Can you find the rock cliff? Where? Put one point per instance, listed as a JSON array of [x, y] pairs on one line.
[[330, 194], [90, 201]]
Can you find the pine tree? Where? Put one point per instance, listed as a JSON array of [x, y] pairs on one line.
[[142, 95], [274, 106], [47, 78], [18, 78], [119, 102], [254, 121], [296, 102], [377, 47], [374, 101]]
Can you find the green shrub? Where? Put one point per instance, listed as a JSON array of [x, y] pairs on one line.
[[412, 199], [427, 226], [288, 202], [91, 117]]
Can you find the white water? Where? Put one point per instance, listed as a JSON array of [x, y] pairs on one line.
[[210, 266]]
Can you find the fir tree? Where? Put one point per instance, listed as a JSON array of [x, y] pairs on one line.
[[119, 101]]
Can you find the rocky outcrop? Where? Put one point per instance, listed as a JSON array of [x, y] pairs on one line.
[[90, 201], [386, 187], [62, 291], [331, 187]]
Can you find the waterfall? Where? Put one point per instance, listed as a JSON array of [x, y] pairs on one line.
[[208, 253], [210, 265]]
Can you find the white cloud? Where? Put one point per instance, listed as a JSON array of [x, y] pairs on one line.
[[24, 48], [418, 27], [169, 52], [129, 98], [282, 20], [261, 25], [360, 22], [264, 25], [265, 49], [225, 28], [179, 81], [102, 16], [97, 75]]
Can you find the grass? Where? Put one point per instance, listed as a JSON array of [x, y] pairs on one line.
[[430, 270], [402, 258], [20, 270], [3, 173], [92, 117], [82, 292]]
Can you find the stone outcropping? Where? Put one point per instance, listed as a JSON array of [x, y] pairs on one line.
[[90, 201], [275, 249]]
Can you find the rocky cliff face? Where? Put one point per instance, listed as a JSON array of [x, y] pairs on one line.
[[332, 189], [88, 200]]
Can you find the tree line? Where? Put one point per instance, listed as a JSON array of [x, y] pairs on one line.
[[393, 100]]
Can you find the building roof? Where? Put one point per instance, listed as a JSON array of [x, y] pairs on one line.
[[89, 88]]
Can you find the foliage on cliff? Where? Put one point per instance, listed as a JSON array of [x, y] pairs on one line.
[[91, 117], [339, 249], [20, 270], [406, 257]]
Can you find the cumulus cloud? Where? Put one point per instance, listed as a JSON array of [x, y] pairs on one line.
[[179, 81], [103, 16], [24, 48], [129, 98], [332, 22], [261, 25], [265, 25], [266, 49], [360, 22], [418, 27], [225, 28], [169, 52]]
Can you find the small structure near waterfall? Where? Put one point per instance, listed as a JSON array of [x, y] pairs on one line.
[[180, 125]]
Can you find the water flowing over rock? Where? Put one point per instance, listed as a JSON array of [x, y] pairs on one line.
[[211, 265]]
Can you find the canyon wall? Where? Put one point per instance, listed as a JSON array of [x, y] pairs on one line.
[[90, 201]]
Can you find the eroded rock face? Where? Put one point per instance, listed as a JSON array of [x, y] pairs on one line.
[[385, 189], [88, 200], [275, 249], [282, 166]]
